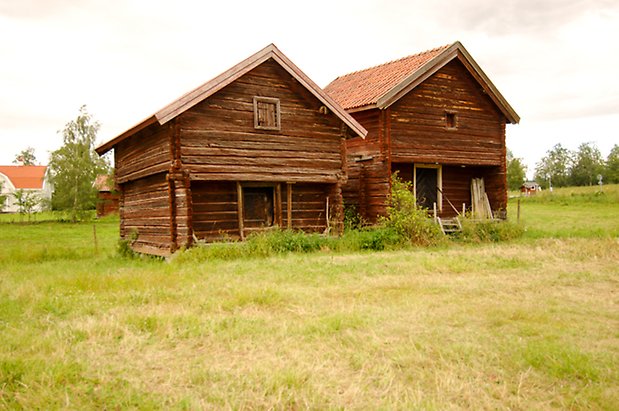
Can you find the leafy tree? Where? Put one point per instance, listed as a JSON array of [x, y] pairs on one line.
[[588, 163], [516, 171], [74, 167], [556, 164], [2, 196], [26, 157], [26, 201], [612, 165]]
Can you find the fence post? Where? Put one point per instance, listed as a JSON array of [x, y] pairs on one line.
[[94, 235]]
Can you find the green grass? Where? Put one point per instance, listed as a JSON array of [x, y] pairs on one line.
[[570, 212], [527, 324]]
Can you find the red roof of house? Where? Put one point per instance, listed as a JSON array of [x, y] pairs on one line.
[[383, 85], [25, 176], [364, 87]]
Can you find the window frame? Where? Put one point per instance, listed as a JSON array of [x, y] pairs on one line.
[[451, 125], [268, 100]]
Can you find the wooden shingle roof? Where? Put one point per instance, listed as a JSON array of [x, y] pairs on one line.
[[383, 85], [209, 88]]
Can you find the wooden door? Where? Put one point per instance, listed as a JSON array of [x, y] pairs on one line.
[[426, 183]]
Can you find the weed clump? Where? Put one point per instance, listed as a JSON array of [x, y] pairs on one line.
[[407, 220], [490, 231], [264, 244], [368, 238], [123, 247], [283, 241]]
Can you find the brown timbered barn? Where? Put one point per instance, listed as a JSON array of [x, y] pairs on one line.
[[433, 117], [259, 146]]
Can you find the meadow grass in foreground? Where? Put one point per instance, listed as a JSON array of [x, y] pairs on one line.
[[531, 324], [526, 325]]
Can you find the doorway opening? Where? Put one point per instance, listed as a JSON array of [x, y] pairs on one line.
[[427, 181], [258, 206]]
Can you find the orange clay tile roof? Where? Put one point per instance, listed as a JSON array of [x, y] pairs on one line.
[[25, 176], [365, 87]]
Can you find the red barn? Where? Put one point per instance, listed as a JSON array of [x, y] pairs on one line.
[[257, 147], [434, 117]]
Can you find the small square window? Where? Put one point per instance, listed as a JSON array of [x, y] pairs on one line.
[[451, 120], [266, 113]]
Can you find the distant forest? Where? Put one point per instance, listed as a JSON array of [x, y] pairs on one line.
[[561, 167]]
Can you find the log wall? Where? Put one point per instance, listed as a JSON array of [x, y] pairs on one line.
[[368, 167], [146, 153], [219, 141], [309, 202], [215, 210], [418, 124], [145, 212]]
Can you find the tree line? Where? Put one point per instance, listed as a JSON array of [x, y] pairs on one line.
[[561, 167]]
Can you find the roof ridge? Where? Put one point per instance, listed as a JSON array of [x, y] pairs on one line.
[[395, 61]]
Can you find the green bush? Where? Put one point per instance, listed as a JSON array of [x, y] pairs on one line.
[[352, 219], [123, 248], [409, 221]]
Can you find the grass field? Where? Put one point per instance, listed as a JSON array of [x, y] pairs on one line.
[[528, 324], [570, 212]]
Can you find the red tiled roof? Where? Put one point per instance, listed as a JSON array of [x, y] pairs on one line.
[[365, 87], [25, 176], [102, 183]]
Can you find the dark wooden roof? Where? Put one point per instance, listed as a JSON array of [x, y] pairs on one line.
[[194, 97], [381, 86]]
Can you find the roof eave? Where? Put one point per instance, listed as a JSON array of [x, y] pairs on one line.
[[319, 93], [105, 147], [493, 92], [361, 108], [209, 88]]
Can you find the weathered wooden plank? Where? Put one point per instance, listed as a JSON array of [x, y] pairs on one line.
[[289, 205], [219, 150], [240, 212], [208, 175]]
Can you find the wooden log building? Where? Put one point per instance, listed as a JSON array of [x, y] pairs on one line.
[[107, 196], [434, 117], [259, 146]]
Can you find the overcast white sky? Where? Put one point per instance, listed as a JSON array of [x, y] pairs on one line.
[[555, 61]]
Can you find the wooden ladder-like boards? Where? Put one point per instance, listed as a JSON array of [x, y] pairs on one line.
[[449, 226]]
